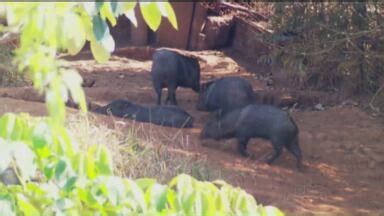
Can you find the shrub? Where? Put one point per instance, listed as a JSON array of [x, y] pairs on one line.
[[330, 44]]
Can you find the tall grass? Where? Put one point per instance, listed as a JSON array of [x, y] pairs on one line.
[[136, 155]]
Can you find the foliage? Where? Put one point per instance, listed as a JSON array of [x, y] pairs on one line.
[[73, 182], [329, 44], [58, 178]]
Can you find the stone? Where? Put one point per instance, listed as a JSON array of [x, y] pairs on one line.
[[319, 107], [217, 31]]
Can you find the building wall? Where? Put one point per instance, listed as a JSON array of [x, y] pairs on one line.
[[186, 37], [170, 37]]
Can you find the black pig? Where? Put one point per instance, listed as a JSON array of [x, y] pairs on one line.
[[225, 94], [171, 116], [171, 69], [262, 121]]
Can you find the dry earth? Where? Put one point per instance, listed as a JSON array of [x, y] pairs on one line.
[[343, 146]]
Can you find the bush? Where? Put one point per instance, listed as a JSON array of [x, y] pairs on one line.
[[331, 44], [74, 181]]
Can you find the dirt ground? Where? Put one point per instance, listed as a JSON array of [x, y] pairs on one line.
[[343, 146]]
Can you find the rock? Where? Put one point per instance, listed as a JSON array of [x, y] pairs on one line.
[[377, 158], [217, 31], [321, 136], [285, 101], [319, 107], [371, 164], [88, 83], [366, 149], [349, 103], [349, 148], [342, 146], [375, 114], [315, 157], [348, 157], [8, 177], [356, 151]]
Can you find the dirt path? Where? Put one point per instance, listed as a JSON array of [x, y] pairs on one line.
[[343, 146]]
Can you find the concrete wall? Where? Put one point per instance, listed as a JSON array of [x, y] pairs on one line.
[[248, 40], [170, 37], [190, 18]]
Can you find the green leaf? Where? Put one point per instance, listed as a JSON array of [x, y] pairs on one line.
[[41, 135], [251, 202], [100, 53], [271, 211], [25, 206], [167, 11], [127, 6], [3, 125], [78, 163], [145, 183], [25, 160], [107, 13], [76, 36], [6, 206], [223, 203], [64, 204], [90, 165], [209, 203], [49, 170], [198, 204], [100, 27], [60, 169], [137, 193], [156, 196], [104, 164], [50, 190], [240, 201], [99, 4], [172, 200], [70, 184], [108, 43], [90, 8], [5, 154], [151, 14], [188, 202], [7, 123], [114, 7], [131, 16], [116, 190], [73, 81], [55, 98]]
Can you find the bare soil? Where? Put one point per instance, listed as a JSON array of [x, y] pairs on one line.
[[343, 146]]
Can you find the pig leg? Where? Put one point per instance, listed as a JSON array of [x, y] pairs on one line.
[[158, 93], [171, 99], [278, 148], [242, 146], [294, 148]]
